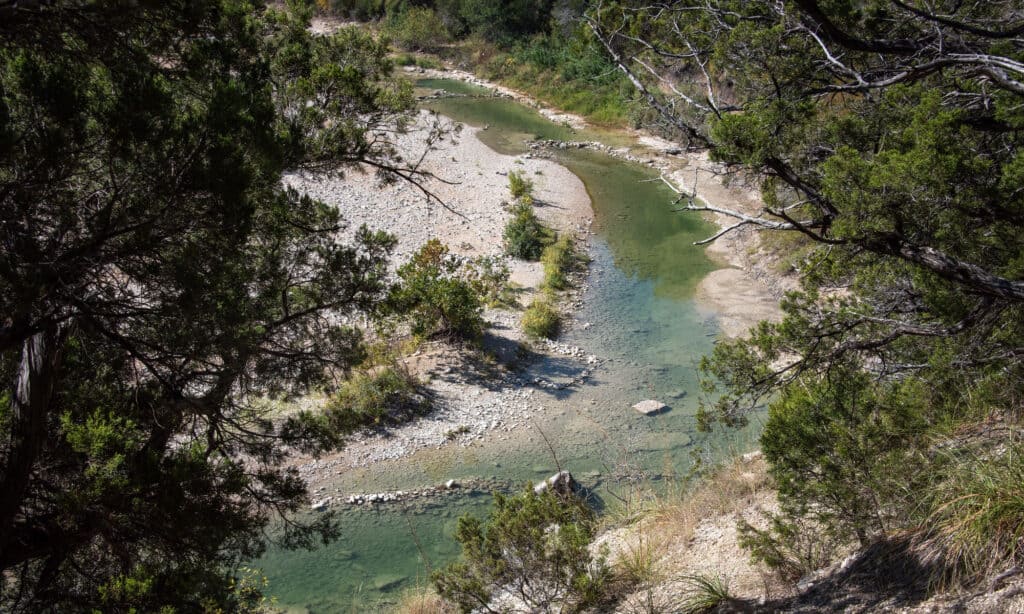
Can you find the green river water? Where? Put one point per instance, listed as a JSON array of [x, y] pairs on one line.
[[644, 325]]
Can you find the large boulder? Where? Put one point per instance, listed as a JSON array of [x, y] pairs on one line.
[[561, 483]]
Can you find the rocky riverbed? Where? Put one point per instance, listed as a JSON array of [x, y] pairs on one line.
[[473, 392]]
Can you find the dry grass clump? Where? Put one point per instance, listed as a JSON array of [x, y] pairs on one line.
[[650, 550], [637, 561], [727, 489], [974, 527], [423, 600], [705, 594]]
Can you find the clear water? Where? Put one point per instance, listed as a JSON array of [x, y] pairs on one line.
[[643, 324]]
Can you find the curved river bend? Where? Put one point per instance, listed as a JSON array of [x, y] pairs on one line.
[[644, 325]]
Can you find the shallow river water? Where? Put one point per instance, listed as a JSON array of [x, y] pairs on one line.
[[644, 325]]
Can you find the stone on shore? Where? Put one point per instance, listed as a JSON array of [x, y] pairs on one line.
[[650, 407]]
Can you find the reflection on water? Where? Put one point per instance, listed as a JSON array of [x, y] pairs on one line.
[[643, 324]]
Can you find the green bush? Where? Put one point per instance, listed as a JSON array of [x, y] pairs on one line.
[[519, 185], [559, 259], [417, 29], [412, 59], [382, 397], [534, 545], [525, 237], [843, 449], [433, 296], [541, 319], [354, 9], [790, 546]]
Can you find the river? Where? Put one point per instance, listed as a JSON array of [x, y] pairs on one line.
[[644, 324]]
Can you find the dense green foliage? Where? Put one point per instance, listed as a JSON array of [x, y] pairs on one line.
[[538, 46], [525, 237], [157, 282], [535, 548], [496, 21], [887, 135], [435, 296], [417, 29], [566, 69]]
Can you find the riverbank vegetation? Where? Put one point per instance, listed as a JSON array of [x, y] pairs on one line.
[[889, 143], [528, 239], [532, 552], [379, 397], [435, 298], [560, 260], [535, 46], [541, 319]]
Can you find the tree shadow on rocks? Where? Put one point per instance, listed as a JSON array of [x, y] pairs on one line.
[[886, 575]]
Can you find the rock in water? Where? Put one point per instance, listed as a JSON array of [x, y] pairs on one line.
[[650, 407], [561, 483]]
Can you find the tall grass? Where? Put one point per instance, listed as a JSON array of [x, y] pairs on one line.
[[705, 594], [559, 260], [725, 489], [974, 524]]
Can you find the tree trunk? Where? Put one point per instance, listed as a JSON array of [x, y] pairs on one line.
[[40, 361]]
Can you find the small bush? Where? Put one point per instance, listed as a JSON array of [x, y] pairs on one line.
[[541, 319], [426, 61], [559, 259], [519, 185], [411, 59], [435, 298], [791, 546], [489, 278], [384, 397], [453, 434], [535, 546], [525, 237]]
